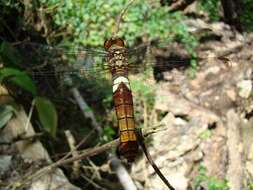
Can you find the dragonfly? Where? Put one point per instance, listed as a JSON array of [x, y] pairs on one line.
[[115, 59], [119, 61]]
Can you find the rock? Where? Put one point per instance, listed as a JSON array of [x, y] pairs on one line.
[[249, 167], [5, 163], [245, 88], [231, 94], [31, 154]]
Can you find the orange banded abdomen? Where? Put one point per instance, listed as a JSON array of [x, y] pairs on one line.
[[123, 102]]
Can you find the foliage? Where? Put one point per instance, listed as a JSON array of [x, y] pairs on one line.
[[205, 134], [211, 7], [144, 91], [90, 22], [47, 114], [251, 94], [10, 3], [249, 186], [192, 70], [212, 183], [11, 58], [6, 113], [144, 97], [108, 133], [246, 16], [18, 78], [46, 110], [9, 55]]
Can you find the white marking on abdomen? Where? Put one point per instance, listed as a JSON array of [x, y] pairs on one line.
[[119, 80]]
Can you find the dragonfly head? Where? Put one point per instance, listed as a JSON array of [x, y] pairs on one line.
[[113, 42], [117, 56]]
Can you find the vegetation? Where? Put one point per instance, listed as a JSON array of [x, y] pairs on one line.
[[211, 8], [86, 24], [246, 16], [69, 23], [212, 183], [141, 20]]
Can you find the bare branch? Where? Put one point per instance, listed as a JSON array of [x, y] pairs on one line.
[[84, 154], [119, 18], [76, 165], [85, 109]]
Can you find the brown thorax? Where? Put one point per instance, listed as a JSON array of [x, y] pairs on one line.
[[117, 56]]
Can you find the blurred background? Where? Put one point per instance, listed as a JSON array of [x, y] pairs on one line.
[[191, 78]]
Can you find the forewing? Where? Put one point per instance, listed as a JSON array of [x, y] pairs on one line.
[[158, 55], [45, 60]]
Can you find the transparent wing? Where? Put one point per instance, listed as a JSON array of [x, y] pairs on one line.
[[63, 49], [157, 55], [163, 55], [44, 60]]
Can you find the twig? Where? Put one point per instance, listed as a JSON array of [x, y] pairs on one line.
[[72, 142], [86, 109], [29, 116], [20, 138], [150, 160], [93, 183], [119, 19], [96, 170], [123, 176], [79, 144], [85, 154], [103, 168]]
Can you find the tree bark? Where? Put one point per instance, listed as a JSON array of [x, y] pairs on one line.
[[232, 10]]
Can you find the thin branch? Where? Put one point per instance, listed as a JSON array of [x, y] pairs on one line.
[[76, 165], [123, 175], [79, 144], [29, 116], [86, 109], [119, 18], [20, 138], [93, 183], [85, 154], [49, 168]]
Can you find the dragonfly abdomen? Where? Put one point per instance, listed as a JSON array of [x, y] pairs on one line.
[[122, 96], [123, 102]]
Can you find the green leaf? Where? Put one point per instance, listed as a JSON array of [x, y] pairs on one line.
[[108, 133], [47, 114], [6, 113], [19, 78]]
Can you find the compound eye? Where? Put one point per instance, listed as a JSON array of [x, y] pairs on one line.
[[119, 42], [109, 42]]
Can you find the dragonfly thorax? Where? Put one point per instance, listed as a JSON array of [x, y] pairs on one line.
[[117, 59]]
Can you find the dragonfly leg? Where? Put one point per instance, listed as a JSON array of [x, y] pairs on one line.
[[139, 134], [141, 142]]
